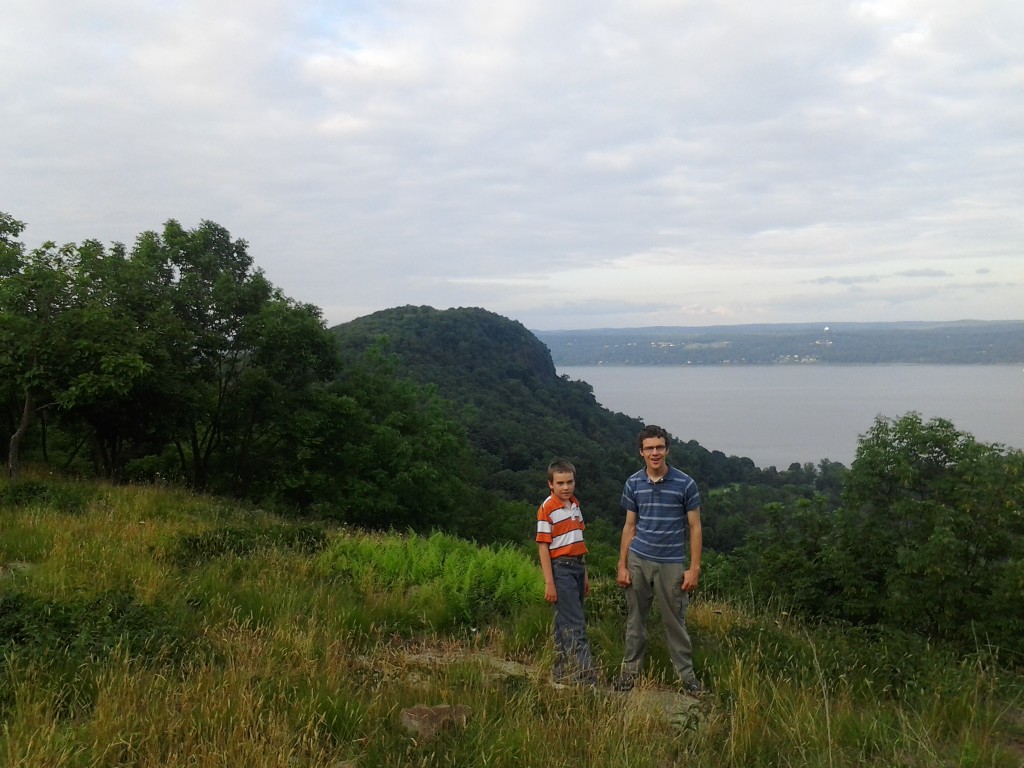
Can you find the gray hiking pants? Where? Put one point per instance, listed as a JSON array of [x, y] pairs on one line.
[[664, 580]]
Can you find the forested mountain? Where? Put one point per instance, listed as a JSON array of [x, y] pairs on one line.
[[519, 414], [965, 342]]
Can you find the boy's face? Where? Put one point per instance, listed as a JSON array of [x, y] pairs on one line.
[[562, 484], [654, 453]]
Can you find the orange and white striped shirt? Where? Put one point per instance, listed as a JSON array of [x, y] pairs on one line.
[[561, 527]]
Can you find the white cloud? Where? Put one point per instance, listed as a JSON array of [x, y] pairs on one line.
[[666, 161]]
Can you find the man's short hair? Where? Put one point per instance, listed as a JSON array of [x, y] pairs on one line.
[[560, 465], [651, 430]]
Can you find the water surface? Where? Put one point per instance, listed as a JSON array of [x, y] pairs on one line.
[[780, 414]]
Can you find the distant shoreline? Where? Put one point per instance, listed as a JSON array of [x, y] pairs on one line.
[[963, 343], [768, 365]]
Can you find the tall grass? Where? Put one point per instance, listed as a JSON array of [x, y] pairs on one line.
[[148, 627]]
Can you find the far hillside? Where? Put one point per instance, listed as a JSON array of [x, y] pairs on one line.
[[967, 342]]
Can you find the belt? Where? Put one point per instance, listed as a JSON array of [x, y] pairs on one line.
[[569, 559]]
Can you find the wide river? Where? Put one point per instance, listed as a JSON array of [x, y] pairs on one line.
[[780, 414]]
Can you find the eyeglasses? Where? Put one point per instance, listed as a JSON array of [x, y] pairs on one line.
[[654, 449]]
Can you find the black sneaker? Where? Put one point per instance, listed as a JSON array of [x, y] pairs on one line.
[[624, 682]]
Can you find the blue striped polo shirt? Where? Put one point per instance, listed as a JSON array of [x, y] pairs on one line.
[[661, 527]]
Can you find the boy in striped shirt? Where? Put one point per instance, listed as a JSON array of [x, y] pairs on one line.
[[561, 550]]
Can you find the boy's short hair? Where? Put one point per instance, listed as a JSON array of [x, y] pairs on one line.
[[560, 465], [651, 430]]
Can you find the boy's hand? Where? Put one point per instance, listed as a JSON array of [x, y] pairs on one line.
[[549, 593], [586, 584], [624, 578]]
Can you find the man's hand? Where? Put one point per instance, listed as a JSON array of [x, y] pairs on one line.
[[550, 594], [690, 580]]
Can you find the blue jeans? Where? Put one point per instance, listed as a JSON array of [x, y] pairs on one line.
[[573, 660]]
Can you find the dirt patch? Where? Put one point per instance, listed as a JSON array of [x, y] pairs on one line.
[[15, 566], [645, 702]]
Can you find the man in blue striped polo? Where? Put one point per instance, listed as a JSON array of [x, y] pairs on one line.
[[662, 507]]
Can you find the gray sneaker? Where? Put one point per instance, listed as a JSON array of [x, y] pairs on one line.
[[694, 687]]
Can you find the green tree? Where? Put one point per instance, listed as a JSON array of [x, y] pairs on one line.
[[180, 343], [379, 451], [239, 355], [63, 338], [11, 391], [932, 534], [930, 539]]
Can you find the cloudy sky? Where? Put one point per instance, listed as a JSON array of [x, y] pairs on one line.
[[565, 163]]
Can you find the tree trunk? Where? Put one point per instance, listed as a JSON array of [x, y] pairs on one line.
[[13, 457]]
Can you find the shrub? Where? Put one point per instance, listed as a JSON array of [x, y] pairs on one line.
[[63, 497], [64, 642], [245, 540], [85, 630], [475, 583]]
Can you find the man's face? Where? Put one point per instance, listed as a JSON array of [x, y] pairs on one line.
[[562, 484], [654, 451]]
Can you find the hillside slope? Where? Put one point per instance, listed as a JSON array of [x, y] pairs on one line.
[[158, 628], [518, 412]]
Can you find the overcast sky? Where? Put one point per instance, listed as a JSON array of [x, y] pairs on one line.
[[568, 164]]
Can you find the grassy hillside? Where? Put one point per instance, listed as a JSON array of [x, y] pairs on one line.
[[144, 626]]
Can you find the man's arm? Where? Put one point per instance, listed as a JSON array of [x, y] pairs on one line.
[[544, 552], [628, 532], [692, 574]]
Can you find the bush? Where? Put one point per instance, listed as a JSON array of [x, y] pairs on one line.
[[472, 583], [245, 540], [87, 630], [65, 642], [63, 497]]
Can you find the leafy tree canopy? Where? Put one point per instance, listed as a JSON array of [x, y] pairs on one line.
[[930, 539]]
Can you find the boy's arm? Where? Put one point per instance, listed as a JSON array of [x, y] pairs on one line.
[[628, 532], [544, 552]]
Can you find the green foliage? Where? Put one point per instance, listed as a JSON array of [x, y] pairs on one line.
[[180, 342], [930, 540], [67, 497], [88, 629], [245, 540], [242, 358], [378, 451], [452, 581], [946, 525]]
